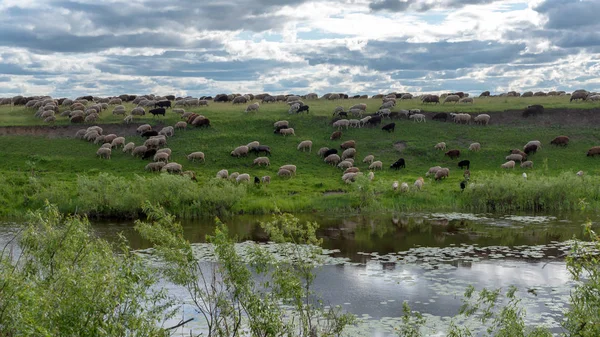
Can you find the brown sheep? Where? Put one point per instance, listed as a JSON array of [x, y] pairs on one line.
[[348, 144], [517, 151], [560, 141], [453, 154], [336, 135], [530, 149], [593, 151]]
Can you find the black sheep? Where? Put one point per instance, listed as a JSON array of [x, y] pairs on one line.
[[464, 163], [533, 110], [400, 163], [389, 127], [150, 133], [463, 185], [256, 180], [149, 154], [158, 111], [163, 104], [303, 108], [277, 129], [530, 149], [375, 120], [329, 152], [261, 148], [440, 116]]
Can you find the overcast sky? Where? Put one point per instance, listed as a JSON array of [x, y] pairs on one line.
[[190, 47]]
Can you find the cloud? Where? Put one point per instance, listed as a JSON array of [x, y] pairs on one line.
[[422, 5]]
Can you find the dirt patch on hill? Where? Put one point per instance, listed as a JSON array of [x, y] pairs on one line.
[[400, 145], [68, 131]]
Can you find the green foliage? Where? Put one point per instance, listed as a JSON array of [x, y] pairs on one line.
[[412, 322], [67, 282]]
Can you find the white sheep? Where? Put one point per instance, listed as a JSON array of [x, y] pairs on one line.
[[155, 167], [106, 145], [139, 150], [291, 168], [252, 107], [384, 113], [580, 173], [533, 142], [365, 120], [332, 159], [460, 118], [284, 173], [482, 119], [180, 125], [369, 159], [289, 131], [419, 183], [418, 117], [508, 165], [527, 164], [223, 174], [196, 156], [376, 165], [466, 100], [281, 124], [253, 144], [322, 151], [515, 157], [244, 177], [128, 147], [349, 177], [444, 172], [143, 128], [119, 141], [172, 168], [240, 151], [404, 187], [395, 185], [440, 146], [355, 123], [265, 180], [179, 111], [307, 144], [163, 156], [128, 119], [474, 147], [168, 131], [262, 160], [341, 123], [348, 153], [344, 164], [433, 170], [371, 176], [234, 175], [452, 98], [104, 153]]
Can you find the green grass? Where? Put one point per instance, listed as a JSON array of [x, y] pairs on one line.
[[61, 165]]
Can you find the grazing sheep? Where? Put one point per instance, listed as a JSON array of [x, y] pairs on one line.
[[355, 123], [404, 187], [307, 144], [336, 135], [172, 168], [580, 174], [365, 120], [322, 151], [482, 119], [104, 152], [223, 174], [244, 177], [356, 112], [180, 125], [162, 156], [534, 142], [349, 177], [464, 163], [344, 164], [517, 151], [240, 151], [376, 165], [329, 152], [152, 143], [349, 153], [106, 146], [196, 156], [262, 160], [560, 141], [508, 165], [462, 118], [352, 170], [419, 183], [165, 150], [168, 131], [418, 117], [280, 124], [430, 99], [395, 185], [80, 133], [369, 159], [139, 151], [433, 170], [475, 147], [466, 100], [332, 159], [240, 100], [453, 154], [451, 98], [398, 164], [99, 140], [582, 95], [531, 149], [593, 151], [371, 176], [179, 111], [291, 168], [533, 110], [143, 128], [442, 173], [234, 175], [266, 180], [515, 157], [128, 148], [348, 144], [389, 127], [253, 144], [284, 173], [440, 146], [155, 167], [289, 131], [527, 164], [119, 141], [341, 123], [252, 107]]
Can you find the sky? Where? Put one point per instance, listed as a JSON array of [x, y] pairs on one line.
[[69, 48]]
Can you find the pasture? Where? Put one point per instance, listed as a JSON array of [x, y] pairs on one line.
[[41, 161]]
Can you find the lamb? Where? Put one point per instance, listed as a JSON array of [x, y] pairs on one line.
[[307, 144], [376, 165], [139, 151], [244, 177], [404, 187], [440, 146], [128, 148], [417, 117], [344, 164], [365, 120], [196, 156], [336, 135], [453, 154], [223, 174], [508, 165], [280, 124], [289, 131], [349, 153], [560, 141], [180, 125], [369, 159], [103, 153], [334, 159], [155, 167], [284, 173], [482, 119], [514, 157], [433, 170], [119, 141], [341, 123], [464, 163], [451, 98], [348, 144], [291, 168], [475, 147], [240, 151], [419, 183], [172, 168], [527, 164], [395, 185], [442, 173], [162, 156], [252, 107], [261, 160]]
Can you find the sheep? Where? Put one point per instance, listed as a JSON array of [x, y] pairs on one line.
[[306, 144], [508, 165], [475, 147], [103, 153], [350, 160], [294, 108], [163, 156], [279, 124], [179, 111], [234, 175], [531, 149], [152, 143], [482, 119], [352, 170], [106, 146], [110, 137], [560, 141], [371, 176], [593, 151], [289, 131], [527, 164], [332, 159], [172, 168], [365, 120], [240, 151], [349, 177], [440, 146], [223, 174], [348, 144], [466, 100], [291, 168], [355, 123], [336, 135], [322, 151], [384, 113], [143, 128], [244, 177], [118, 141], [417, 117], [356, 112], [433, 170], [376, 165], [517, 151], [341, 123], [451, 98], [349, 153], [253, 144], [139, 150], [252, 107], [155, 167], [593, 98], [515, 157], [404, 187], [261, 160], [128, 147], [165, 150], [464, 163], [395, 185], [398, 164], [534, 142], [460, 118], [284, 173], [344, 164], [419, 183], [168, 131], [180, 125], [453, 154], [580, 174], [369, 159], [442, 173], [196, 156], [99, 140]]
